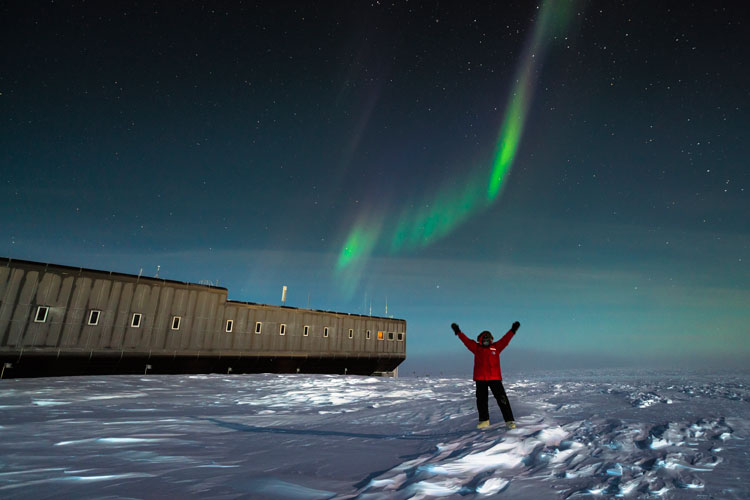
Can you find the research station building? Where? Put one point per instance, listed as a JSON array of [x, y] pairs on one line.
[[60, 320]]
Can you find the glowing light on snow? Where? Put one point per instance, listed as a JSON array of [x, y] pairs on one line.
[[108, 477], [112, 440]]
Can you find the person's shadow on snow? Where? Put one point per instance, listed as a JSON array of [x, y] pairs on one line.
[[314, 432]]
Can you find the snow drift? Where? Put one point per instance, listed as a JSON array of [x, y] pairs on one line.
[[580, 435]]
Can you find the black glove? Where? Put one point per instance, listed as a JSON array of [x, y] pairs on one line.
[[455, 327], [515, 326]]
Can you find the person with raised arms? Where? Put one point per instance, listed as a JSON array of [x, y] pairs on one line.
[[487, 373]]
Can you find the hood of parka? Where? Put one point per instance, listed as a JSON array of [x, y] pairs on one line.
[[485, 338]]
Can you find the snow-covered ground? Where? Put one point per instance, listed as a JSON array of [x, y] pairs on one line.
[[580, 435]]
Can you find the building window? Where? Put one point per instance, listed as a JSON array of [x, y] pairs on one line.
[[367, 335], [258, 327], [282, 329], [390, 335], [380, 336], [306, 331], [135, 321], [41, 314], [325, 332], [94, 317], [176, 322], [351, 333], [400, 337], [230, 325]]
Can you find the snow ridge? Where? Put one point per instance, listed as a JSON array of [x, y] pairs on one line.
[[580, 458]]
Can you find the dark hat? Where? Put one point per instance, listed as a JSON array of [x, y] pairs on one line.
[[486, 332]]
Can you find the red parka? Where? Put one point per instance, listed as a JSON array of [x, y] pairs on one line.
[[487, 359]]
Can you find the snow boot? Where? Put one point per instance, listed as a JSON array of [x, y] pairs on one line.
[[483, 424], [510, 424]]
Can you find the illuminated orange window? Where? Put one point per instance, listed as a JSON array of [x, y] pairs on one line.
[[380, 335]]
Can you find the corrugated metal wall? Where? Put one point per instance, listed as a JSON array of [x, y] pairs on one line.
[[71, 294]]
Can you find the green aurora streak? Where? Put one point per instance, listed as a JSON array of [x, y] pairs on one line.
[[440, 214]]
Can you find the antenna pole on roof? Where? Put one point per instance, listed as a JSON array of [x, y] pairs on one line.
[[157, 271], [386, 305]]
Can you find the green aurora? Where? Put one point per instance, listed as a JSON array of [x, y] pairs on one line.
[[442, 212]]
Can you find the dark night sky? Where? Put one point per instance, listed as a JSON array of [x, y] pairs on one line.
[[240, 142]]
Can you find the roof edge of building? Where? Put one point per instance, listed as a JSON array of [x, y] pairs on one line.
[[7, 261], [313, 310]]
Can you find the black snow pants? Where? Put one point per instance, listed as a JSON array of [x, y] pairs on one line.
[[499, 392]]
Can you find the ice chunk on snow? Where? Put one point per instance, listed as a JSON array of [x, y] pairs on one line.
[[627, 488], [552, 436], [585, 471], [441, 488], [615, 470], [658, 444], [392, 483], [492, 485]]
